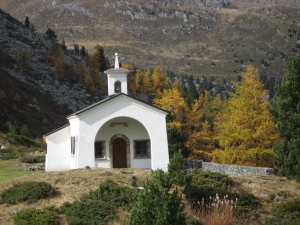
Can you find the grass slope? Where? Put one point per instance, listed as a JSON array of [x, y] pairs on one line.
[[70, 185]]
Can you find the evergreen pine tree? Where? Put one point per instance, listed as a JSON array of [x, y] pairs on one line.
[[83, 51], [50, 34], [27, 23], [156, 205], [100, 58], [286, 112]]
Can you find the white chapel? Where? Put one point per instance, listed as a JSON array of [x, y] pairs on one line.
[[117, 132]]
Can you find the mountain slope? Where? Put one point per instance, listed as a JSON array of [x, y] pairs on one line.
[[201, 37], [29, 92]]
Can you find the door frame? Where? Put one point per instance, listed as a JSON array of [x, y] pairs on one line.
[[127, 149]]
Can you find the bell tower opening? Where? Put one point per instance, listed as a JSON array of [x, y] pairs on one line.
[[118, 87]]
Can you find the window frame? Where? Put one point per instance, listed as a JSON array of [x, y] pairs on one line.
[[102, 149], [145, 149], [73, 147]]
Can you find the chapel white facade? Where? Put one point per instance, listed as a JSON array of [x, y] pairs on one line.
[[117, 132]]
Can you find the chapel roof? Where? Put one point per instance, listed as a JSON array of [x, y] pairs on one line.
[[110, 98], [58, 129]]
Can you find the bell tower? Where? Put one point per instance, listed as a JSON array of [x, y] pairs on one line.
[[117, 78]]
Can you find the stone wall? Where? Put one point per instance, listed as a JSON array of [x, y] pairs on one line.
[[227, 169]]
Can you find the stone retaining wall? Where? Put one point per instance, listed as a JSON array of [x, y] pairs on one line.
[[227, 169]]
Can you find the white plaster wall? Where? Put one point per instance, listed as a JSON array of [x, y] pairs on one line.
[[122, 106], [58, 151], [141, 163], [102, 163]]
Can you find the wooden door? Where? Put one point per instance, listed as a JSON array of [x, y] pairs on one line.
[[119, 153]]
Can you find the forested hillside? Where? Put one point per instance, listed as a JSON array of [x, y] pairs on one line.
[[41, 80]]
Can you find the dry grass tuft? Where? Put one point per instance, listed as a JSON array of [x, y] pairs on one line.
[[216, 211]]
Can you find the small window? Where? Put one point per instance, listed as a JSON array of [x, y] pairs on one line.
[[117, 87], [99, 149], [142, 148], [72, 145]]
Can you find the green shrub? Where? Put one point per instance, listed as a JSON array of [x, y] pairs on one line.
[[26, 149], [176, 170], [33, 159], [27, 191], [114, 194], [32, 216], [5, 150], [285, 213], [8, 156], [246, 201], [88, 211], [13, 152], [157, 204], [17, 139], [206, 184]]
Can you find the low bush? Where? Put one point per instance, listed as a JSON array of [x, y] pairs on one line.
[[115, 194], [246, 202], [33, 159], [32, 216], [88, 211], [5, 150], [157, 204], [205, 184], [285, 213], [176, 170], [30, 191], [27, 149], [98, 207], [19, 140], [8, 156], [13, 152]]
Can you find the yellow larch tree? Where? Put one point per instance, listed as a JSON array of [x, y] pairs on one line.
[[59, 68], [173, 101], [24, 59], [168, 83], [139, 80], [246, 132], [89, 83], [82, 71], [2, 95], [100, 59], [199, 140], [213, 106], [74, 68], [158, 79], [130, 78], [148, 87], [200, 137]]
